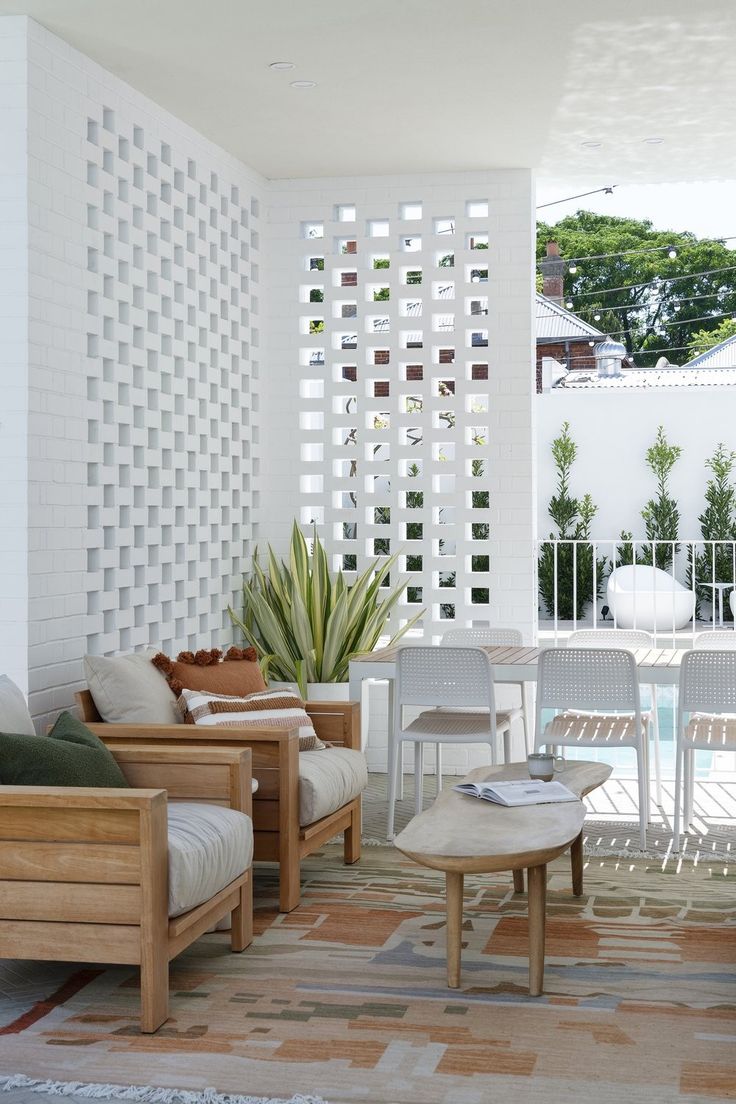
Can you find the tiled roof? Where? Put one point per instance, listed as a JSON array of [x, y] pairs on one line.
[[557, 324], [720, 356], [633, 379]]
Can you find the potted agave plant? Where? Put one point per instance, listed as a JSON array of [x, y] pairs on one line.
[[306, 622]]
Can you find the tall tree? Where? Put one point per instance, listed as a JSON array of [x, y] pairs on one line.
[[706, 339], [660, 315]]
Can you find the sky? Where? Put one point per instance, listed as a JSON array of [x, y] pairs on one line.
[[707, 209]]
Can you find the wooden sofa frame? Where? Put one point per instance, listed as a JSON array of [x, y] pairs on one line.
[[84, 872], [278, 834]]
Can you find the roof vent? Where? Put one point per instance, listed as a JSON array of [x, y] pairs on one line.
[[608, 358]]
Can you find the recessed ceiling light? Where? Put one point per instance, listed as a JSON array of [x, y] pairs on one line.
[[282, 65], [303, 84], [652, 141], [591, 145]]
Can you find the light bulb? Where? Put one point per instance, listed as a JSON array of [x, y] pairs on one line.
[[568, 304], [672, 253], [572, 269], [596, 318]]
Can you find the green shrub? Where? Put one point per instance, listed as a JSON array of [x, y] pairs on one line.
[[574, 563]]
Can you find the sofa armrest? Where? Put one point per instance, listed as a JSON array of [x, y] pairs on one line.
[[213, 774], [336, 722]]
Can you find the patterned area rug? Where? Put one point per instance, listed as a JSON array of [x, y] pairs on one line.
[[345, 998]]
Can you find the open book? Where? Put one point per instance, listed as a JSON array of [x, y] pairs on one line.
[[529, 791]]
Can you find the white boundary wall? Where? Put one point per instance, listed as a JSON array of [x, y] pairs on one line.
[[613, 431]]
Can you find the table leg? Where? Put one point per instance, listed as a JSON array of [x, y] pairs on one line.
[[576, 859], [360, 693], [518, 881], [537, 906], [454, 891]]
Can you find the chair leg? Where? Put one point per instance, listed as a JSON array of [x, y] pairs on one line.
[[418, 776], [154, 990], [678, 794], [689, 786], [507, 755], [655, 737], [241, 931], [352, 835], [647, 772], [643, 796], [394, 753], [438, 766], [526, 716]]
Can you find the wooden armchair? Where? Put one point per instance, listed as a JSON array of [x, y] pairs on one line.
[[84, 872], [277, 833]]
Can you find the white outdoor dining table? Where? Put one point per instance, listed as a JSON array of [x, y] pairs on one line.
[[660, 666]]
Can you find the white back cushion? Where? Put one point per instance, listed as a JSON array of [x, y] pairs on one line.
[[14, 715], [128, 689]]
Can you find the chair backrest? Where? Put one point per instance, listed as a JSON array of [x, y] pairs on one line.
[[444, 676], [592, 679], [718, 640], [478, 638], [610, 638], [708, 681]]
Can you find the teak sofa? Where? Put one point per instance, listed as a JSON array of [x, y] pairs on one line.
[[84, 872], [278, 836]]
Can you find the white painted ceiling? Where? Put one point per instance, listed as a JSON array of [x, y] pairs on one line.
[[425, 86]]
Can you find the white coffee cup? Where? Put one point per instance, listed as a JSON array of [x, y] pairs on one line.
[[543, 764]]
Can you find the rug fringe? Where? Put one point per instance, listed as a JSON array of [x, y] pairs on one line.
[[143, 1094]]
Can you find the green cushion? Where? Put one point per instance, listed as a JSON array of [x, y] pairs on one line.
[[70, 755]]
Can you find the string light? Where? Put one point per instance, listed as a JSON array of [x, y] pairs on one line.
[[672, 251], [676, 304], [596, 191], [657, 281], [572, 269]]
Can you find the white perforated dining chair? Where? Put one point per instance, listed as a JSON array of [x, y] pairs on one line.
[[431, 677], [706, 720], [502, 638], [595, 693], [716, 641], [631, 639]]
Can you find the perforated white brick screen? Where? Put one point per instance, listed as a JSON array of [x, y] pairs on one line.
[[411, 359]]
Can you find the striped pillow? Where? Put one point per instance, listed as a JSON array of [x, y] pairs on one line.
[[266, 709]]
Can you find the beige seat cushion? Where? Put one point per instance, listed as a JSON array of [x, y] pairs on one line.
[[209, 846], [128, 689], [14, 715], [328, 779]]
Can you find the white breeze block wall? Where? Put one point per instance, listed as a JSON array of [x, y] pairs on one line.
[[399, 407], [144, 363], [13, 352]]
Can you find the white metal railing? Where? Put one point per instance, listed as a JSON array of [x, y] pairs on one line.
[[573, 578]]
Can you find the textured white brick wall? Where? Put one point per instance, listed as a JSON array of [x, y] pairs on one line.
[[144, 286], [13, 352]]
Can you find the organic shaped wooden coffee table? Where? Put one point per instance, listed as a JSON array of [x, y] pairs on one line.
[[464, 835]]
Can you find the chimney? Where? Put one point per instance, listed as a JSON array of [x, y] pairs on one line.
[[553, 273]]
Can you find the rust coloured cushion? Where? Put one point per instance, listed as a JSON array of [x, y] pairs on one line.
[[237, 674]]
